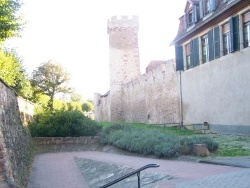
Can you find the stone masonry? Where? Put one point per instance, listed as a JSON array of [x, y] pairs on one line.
[[124, 60], [15, 140]]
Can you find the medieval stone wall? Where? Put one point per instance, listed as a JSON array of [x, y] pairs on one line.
[[154, 97], [15, 142], [151, 98], [102, 107], [26, 109]]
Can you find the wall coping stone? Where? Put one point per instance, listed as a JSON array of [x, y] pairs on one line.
[[66, 140]]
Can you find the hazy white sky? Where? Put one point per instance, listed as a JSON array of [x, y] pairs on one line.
[[74, 33]]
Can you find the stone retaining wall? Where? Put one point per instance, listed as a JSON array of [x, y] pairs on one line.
[[66, 140], [15, 141]]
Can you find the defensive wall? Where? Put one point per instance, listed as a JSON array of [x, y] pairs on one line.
[[151, 98], [102, 107], [15, 141], [26, 109]]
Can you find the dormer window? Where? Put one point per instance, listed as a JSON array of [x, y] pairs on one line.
[[207, 6], [191, 16]]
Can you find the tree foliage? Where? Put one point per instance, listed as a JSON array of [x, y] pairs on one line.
[[13, 73], [50, 78], [76, 97], [10, 23], [88, 106]]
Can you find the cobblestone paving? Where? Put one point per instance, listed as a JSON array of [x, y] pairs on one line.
[[98, 174]]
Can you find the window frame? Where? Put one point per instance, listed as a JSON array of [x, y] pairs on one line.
[[204, 49], [226, 38], [188, 55], [246, 29]]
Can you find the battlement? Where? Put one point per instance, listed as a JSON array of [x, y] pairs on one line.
[[122, 23]]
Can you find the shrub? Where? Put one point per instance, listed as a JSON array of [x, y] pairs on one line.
[[140, 140], [63, 124], [108, 133], [148, 141]]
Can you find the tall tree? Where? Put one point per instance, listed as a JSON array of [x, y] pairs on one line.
[[10, 22], [50, 78]]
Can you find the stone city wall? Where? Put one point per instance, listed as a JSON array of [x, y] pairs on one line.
[[152, 98], [26, 109], [15, 145], [102, 107]]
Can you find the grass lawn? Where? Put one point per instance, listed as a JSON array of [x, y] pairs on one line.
[[230, 146]]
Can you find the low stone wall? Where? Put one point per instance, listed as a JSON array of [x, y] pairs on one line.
[[66, 140]]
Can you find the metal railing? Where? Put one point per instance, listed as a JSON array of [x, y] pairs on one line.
[[131, 174]]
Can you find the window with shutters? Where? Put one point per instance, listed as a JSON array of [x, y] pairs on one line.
[[246, 29], [204, 46], [188, 55], [226, 38], [194, 50]]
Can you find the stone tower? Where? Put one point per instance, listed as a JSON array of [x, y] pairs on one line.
[[124, 62]]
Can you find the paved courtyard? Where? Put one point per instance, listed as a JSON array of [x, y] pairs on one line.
[[60, 170]]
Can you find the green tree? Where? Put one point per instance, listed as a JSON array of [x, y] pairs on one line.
[[13, 73], [10, 22], [74, 106], [76, 97], [50, 78], [41, 102], [88, 106]]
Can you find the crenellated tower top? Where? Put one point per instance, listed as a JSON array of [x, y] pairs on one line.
[[122, 23]]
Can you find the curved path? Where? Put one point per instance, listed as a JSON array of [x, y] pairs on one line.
[[59, 170]]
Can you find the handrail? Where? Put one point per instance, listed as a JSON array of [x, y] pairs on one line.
[[130, 174]]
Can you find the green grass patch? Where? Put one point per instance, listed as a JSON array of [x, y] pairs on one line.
[[232, 146], [168, 129]]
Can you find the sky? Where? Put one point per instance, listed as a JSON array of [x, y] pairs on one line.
[[74, 34]]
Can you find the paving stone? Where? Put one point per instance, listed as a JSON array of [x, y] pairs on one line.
[[88, 168]]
